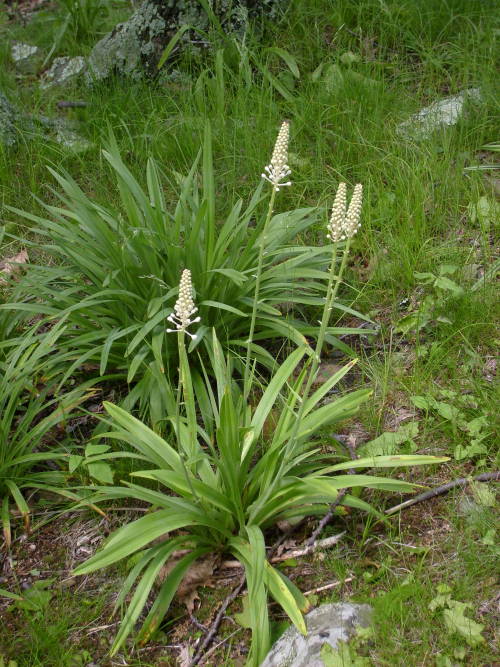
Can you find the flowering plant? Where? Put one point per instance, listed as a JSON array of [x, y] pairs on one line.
[[112, 275]]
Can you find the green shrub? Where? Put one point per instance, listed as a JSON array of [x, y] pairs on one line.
[[111, 274], [224, 486], [30, 407]]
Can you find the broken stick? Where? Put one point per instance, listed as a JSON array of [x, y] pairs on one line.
[[463, 481]]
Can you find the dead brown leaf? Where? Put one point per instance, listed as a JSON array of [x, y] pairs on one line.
[[199, 574], [397, 416], [490, 368], [13, 264]]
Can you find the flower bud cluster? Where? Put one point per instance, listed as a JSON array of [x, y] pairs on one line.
[[344, 224], [336, 224], [184, 307], [278, 169]]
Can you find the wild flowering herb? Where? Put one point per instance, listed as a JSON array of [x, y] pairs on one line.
[[337, 220], [278, 169], [184, 306], [344, 223], [352, 224]]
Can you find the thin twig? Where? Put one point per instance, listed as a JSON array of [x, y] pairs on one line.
[[197, 623], [99, 628], [463, 481], [327, 587], [350, 444], [296, 553], [217, 621], [214, 648]]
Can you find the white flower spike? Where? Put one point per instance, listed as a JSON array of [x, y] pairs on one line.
[[336, 225], [278, 169], [184, 306], [344, 222], [352, 224]]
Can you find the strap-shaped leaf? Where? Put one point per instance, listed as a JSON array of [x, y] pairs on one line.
[[396, 461], [329, 485], [140, 596], [144, 439], [134, 536], [281, 592], [186, 485], [167, 592], [327, 386], [268, 399]]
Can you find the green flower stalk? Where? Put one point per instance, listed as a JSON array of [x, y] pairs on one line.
[[276, 171], [343, 225], [182, 318]]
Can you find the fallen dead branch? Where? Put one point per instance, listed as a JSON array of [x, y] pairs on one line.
[[351, 446], [463, 481], [296, 553], [217, 621]]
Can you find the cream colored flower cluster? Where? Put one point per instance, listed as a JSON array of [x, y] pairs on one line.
[[184, 307], [278, 169], [344, 224]]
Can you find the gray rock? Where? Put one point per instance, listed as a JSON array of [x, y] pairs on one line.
[[122, 49], [14, 122], [439, 114], [63, 70], [11, 122], [25, 56], [72, 140], [134, 47], [327, 624]]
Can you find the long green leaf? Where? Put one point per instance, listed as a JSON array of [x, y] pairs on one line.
[[388, 462], [268, 399], [130, 538]]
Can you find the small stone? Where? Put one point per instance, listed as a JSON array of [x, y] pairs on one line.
[[327, 624], [24, 56], [441, 113], [73, 141], [63, 70]]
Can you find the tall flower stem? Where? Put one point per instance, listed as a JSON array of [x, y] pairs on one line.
[[258, 278], [183, 392], [334, 281], [343, 225]]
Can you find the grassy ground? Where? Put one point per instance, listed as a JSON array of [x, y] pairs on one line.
[[362, 69]]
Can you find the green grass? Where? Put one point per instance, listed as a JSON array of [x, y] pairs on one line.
[[416, 218]]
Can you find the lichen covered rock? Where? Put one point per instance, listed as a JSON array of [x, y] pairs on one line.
[[134, 47], [25, 57], [11, 121], [327, 624], [63, 70], [14, 123]]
